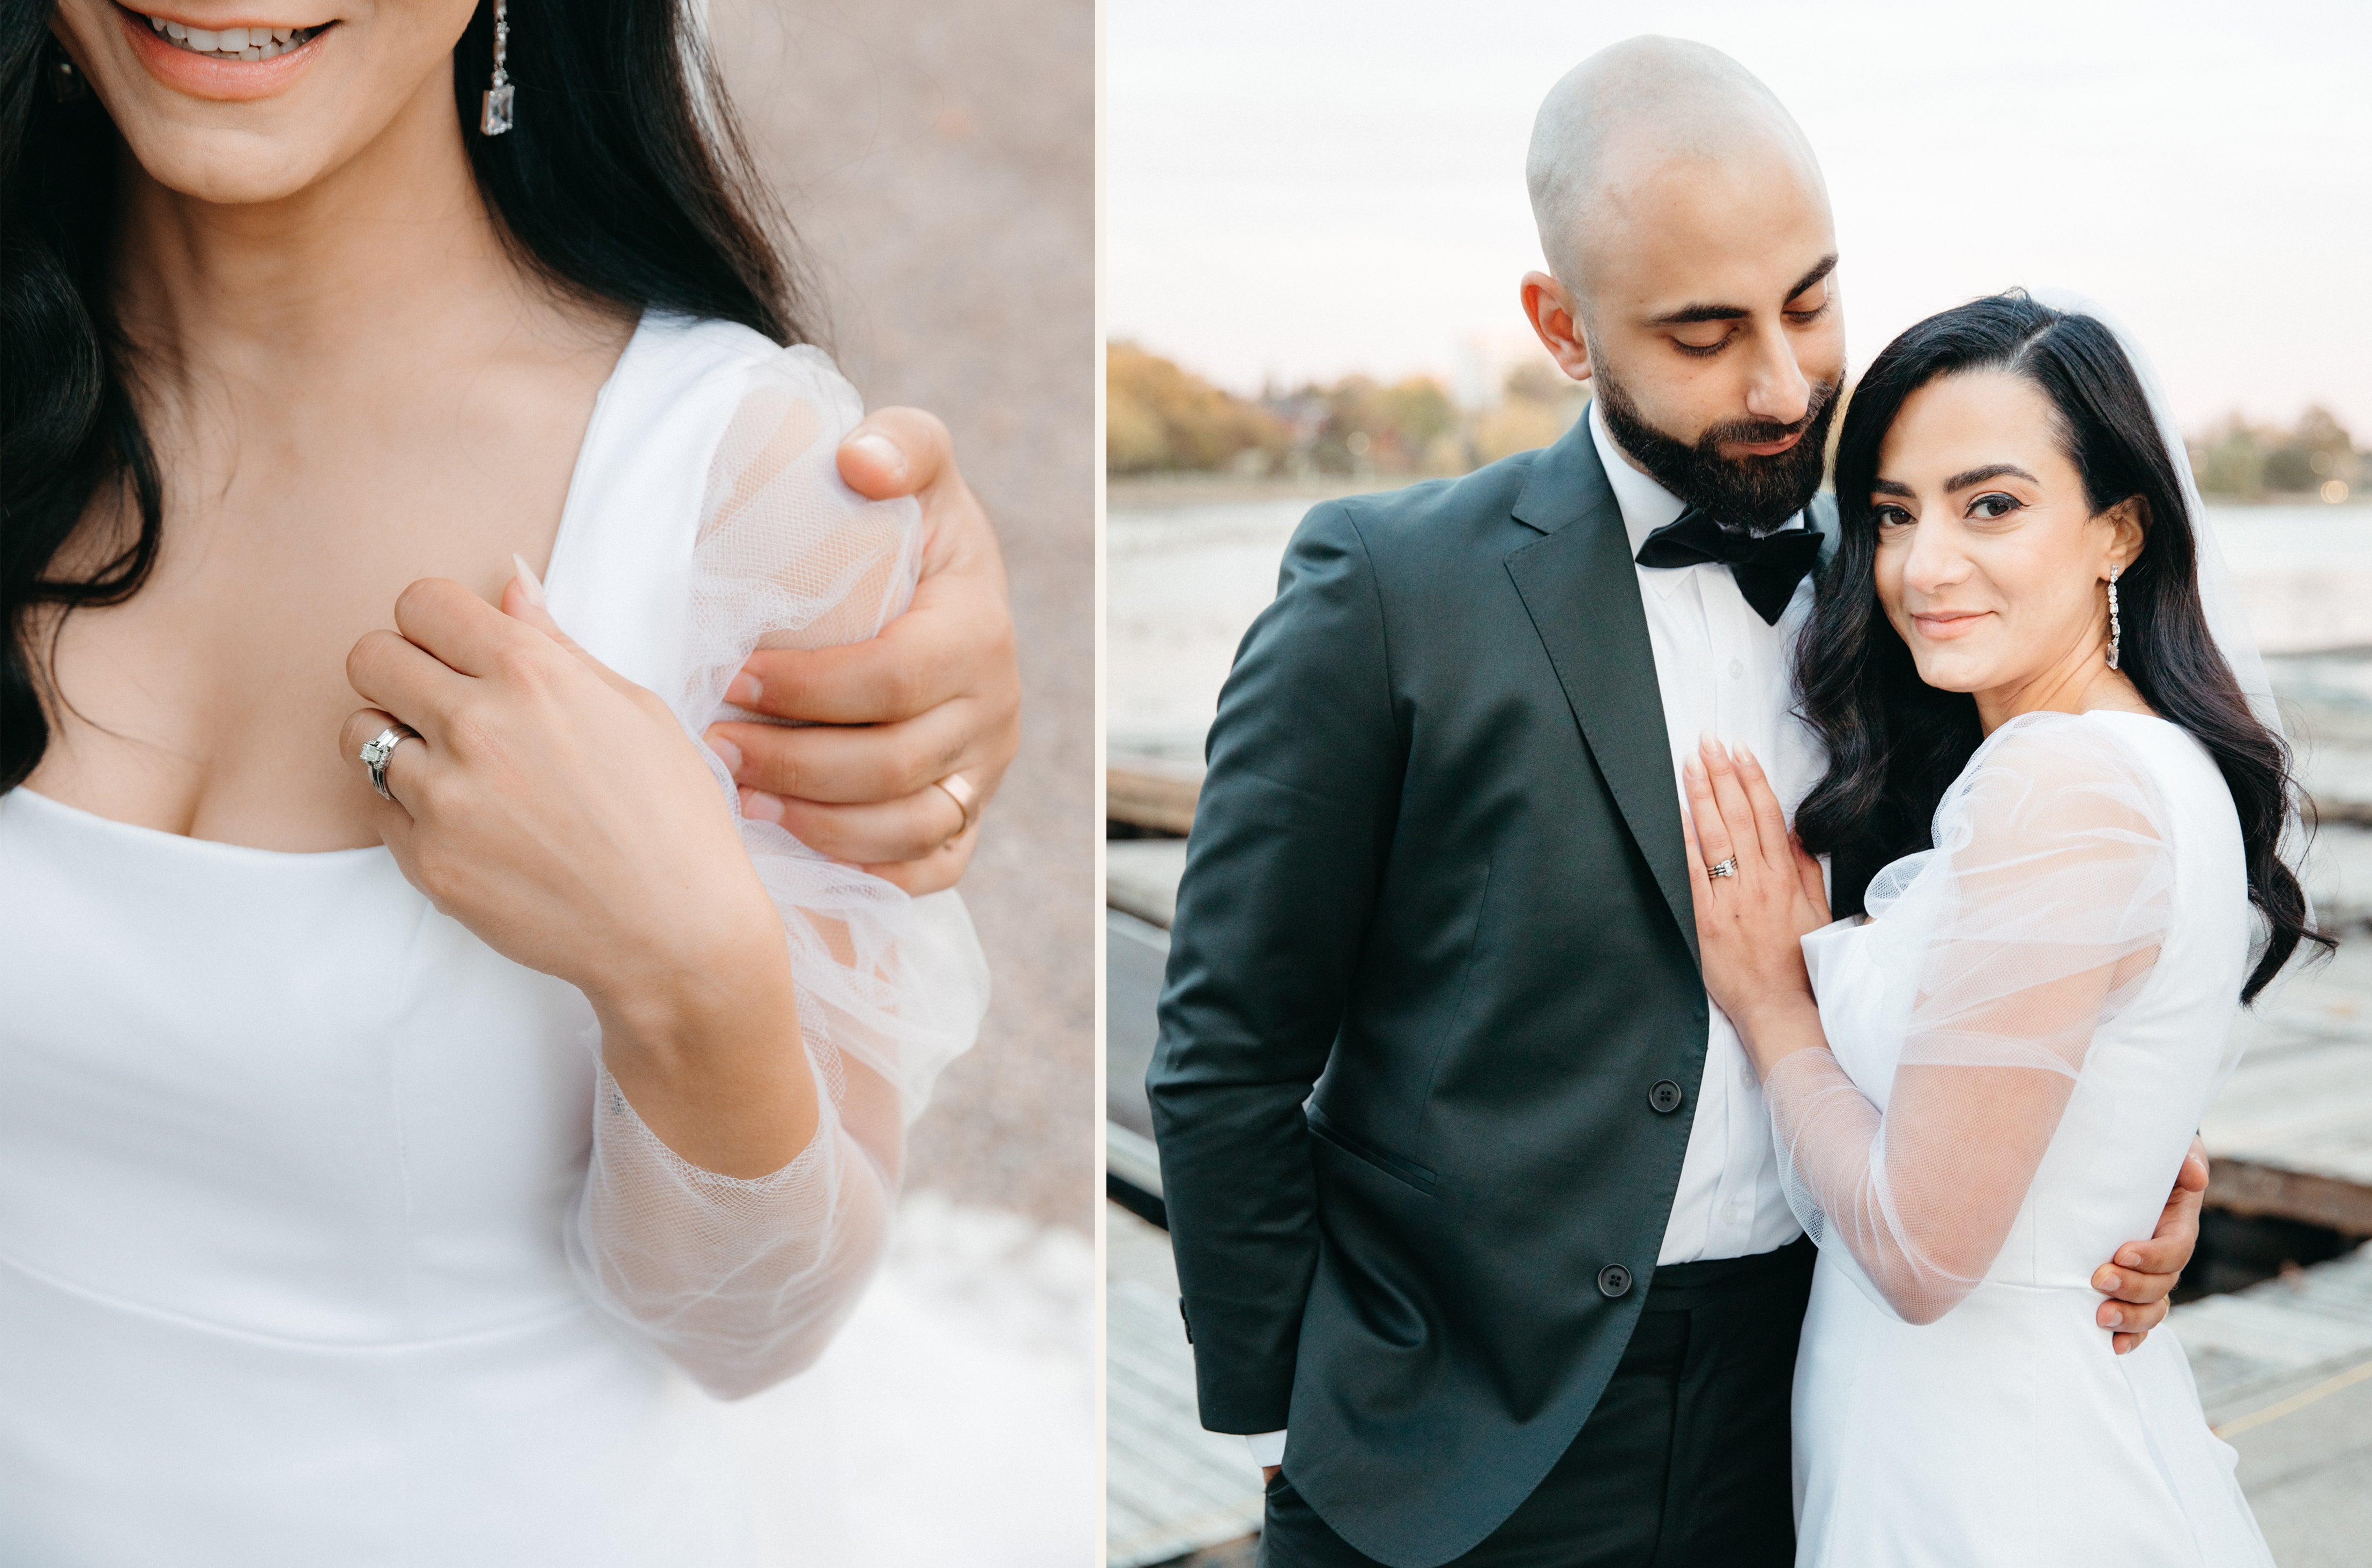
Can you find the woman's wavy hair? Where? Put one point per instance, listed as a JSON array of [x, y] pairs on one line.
[[1895, 744], [624, 179]]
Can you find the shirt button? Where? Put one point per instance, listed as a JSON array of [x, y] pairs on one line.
[[1665, 1097], [1613, 1280], [1736, 669]]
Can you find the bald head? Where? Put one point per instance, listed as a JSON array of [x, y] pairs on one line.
[[1646, 111]]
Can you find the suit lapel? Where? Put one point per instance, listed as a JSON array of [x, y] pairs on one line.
[[1583, 595]]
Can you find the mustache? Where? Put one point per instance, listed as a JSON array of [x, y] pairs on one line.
[[1756, 432]]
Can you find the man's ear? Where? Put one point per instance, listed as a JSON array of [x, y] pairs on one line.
[[1548, 305]]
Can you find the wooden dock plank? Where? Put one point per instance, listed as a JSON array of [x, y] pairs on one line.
[[2250, 1347], [1170, 1487]]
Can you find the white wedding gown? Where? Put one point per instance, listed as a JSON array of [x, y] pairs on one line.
[[324, 1237], [2022, 1038]]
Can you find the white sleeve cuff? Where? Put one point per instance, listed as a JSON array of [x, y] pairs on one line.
[[1268, 1447]]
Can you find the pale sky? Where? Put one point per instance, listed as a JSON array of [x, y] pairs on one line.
[[1306, 188]]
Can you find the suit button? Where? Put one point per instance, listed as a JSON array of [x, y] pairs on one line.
[[1613, 1280], [1665, 1097]]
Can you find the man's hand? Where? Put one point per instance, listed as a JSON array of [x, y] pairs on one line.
[[2138, 1279], [938, 693], [1268, 1474]]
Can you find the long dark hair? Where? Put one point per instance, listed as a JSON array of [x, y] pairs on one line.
[[1895, 744], [617, 183]]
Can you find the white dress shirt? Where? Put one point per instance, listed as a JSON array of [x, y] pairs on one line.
[[1719, 667]]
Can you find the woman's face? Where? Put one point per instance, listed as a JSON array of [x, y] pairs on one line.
[[219, 126], [1990, 559]]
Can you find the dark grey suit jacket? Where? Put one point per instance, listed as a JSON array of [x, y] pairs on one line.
[[1437, 873]]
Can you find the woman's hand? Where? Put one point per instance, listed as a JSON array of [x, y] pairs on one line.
[[938, 693], [561, 814], [1750, 923]]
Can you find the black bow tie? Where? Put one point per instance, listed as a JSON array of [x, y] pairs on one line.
[[1766, 569]]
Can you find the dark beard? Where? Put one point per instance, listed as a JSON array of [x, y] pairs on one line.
[[1758, 494]]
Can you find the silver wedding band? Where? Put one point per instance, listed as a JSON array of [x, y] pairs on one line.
[[1726, 869], [967, 799], [379, 747]]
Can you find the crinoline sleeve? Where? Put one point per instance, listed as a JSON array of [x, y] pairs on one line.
[[2037, 915], [743, 1281]]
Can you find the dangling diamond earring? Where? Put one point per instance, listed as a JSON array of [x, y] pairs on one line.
[[495, 118], [67, 84], [2116, 630]]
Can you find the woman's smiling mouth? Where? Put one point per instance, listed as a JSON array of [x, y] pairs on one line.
[[1942, 625], [253, 60], [249, 44]]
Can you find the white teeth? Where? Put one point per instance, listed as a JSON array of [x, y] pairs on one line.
[[237, 43]]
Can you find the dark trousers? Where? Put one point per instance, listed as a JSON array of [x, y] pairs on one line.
[[1684, 1462]]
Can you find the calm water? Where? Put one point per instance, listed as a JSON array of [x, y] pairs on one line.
[[1184, 582]]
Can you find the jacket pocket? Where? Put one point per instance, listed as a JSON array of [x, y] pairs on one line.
[[1407, 1172]]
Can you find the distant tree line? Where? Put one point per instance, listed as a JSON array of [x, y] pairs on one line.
[[1165, 419], [2315, 456], [1161, 418]]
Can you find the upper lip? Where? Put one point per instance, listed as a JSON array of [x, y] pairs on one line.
[[216, 24]]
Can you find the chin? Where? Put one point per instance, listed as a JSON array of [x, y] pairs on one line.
[[225, 167], [1949, 672]]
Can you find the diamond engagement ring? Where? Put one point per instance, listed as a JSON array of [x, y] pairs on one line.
[[379, 747], [1726, 869]]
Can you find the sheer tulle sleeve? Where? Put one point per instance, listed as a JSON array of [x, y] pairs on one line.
[[2039, 913], [742, 1281]]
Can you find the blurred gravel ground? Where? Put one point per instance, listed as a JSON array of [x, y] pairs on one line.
[[938, 162]]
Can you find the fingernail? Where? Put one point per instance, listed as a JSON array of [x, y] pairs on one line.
[[2116, 1319], [2130, 1258], [743, 692], [529, 580], [726, 753], [1693, 769], [2109, 1282], [759, 806], [882, 450]]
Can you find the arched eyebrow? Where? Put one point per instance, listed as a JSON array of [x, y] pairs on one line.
[[1958, 482], [1689, 313], [1991, 471]]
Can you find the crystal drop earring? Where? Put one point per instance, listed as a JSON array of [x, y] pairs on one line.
[[2116, 630], [495, 117], [66, 84]]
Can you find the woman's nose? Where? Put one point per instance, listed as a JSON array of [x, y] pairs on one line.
[[1934, 561]]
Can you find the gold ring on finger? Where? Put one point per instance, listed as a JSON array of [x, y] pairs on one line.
[[959, 789]]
